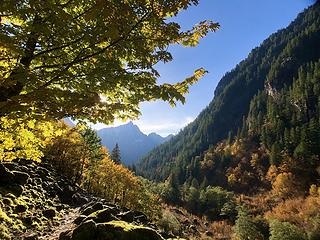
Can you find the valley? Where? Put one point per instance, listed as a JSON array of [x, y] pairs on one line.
[[247, 167]]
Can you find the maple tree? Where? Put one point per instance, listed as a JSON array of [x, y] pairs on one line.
[[90, 59]]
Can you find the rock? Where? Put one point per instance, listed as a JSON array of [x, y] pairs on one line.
[[126, 216], [92, 208], [131, 216], [49, 213], [20, 177], [6, 177], [66, 193], [32, 236], [20, 208], [209, 234], [7, 201], [28, 220], [85, 231], [79, 219], [42, 172], [101, 216], [141, 217], [65, 235], [78, 199], [120, 230], [15, 189]]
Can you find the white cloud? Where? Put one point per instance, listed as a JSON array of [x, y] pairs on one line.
[[164, 128]]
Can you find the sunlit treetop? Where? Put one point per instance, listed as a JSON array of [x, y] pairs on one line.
[[90, 59]]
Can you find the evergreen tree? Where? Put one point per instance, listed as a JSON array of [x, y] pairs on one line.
[[275, 155], [246, 227], [115, 154]]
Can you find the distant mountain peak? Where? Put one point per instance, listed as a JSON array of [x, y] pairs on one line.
[[133, 143]]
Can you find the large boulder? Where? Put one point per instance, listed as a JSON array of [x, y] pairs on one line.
[[85, 231], [120, 230]]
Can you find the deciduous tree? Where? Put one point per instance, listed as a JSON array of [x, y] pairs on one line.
[[91, 59]]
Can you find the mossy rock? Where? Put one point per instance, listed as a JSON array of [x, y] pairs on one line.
[[85, 231], [7, 202], [4, 217], [104, 215], [93, 208], [120, 230], [4, 232]]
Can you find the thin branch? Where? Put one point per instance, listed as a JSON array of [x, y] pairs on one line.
[[58, 47], [79, 59]]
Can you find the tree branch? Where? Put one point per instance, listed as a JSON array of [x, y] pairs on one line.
[[79, 59]]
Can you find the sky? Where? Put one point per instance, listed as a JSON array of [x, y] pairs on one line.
[[244, 25]]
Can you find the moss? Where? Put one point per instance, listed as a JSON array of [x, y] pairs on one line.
[[101, 216], [4, 232], [4, 217], [10, 195], [121, 230]]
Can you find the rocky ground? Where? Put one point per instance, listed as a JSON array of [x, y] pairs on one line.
[[36, 202]]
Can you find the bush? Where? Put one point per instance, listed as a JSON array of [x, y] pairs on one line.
[[285, 231], [217, 203], [169, 223]]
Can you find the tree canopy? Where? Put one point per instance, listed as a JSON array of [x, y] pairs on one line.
[[90, 59]]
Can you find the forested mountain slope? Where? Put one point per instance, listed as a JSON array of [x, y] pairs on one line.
[[269, 68]]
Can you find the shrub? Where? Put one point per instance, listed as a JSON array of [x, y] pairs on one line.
[[169, 223], [217, 203], [285, 231]]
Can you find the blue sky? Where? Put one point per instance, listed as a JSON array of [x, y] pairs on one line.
[[244, 25]]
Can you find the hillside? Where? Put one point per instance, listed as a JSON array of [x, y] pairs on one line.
[[267, 69], [133, 143], [40, 203]]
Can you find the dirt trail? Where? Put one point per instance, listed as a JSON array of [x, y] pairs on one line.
[[66, 223]]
